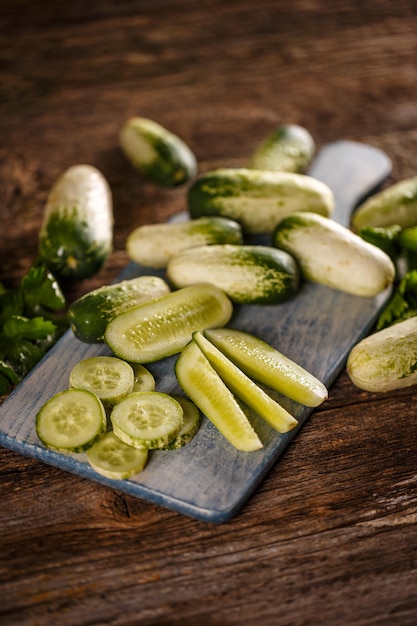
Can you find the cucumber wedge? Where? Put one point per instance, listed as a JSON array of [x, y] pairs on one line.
[[71, 421], [163, 327], [147, 419], [245, 389], [207, 390], [113, 458], [267, 365], [153, 245]]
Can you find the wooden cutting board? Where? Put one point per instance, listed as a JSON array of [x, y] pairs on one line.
[[208, 479]]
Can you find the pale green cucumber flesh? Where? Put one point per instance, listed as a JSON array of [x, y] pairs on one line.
[[160, 328], [143, 378], [71, 421], [91, 313], [267, 365], [109, 377], [206, 389], [112, 458], [147, 419], [244, 388], [190, 424]]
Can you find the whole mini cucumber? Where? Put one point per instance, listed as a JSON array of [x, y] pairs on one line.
[[76, 235], [288, 148], [246, 273], [387, 359], [333, 255], [156, 152], [89, 315], [152, 245], [257, 199], [395, 205]]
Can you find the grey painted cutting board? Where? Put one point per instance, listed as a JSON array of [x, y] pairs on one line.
[[208, 479]]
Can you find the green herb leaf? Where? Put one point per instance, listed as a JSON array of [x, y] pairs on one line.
[[403, 303]]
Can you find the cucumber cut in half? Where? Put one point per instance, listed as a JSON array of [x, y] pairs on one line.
[[245, 388], [190, 423], [71, 421], [206, 389], [113, 458], [147, 419], [108, 377], [267, 365], [163, 327]]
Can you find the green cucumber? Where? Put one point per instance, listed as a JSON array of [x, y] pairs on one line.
[[108, 377], [330, 254], [288, 148], [163, 327], [385, 360], [76, 235], [257, 199], [245, 388], [147, 419], [156, 152], [71, 421], [144, 380], [190, 424], [153, 245], [113, 458], [206, 389], [395, 205], [267, 365], [246, 273], [91, 313]]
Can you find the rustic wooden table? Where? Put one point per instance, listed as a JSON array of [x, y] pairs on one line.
[[330, 535]]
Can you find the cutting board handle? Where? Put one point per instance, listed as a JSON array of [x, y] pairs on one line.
[[353, 171]]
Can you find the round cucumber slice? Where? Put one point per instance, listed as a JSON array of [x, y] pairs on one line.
[[190, 424], [108, 377], [144, 380], [71, 421], [113, 458], [147, 419]]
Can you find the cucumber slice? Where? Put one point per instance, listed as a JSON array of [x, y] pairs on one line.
[[160, 328], [190, 424], [207, 390], [71, 421], [113, 458], [267, 365], [108, 377], [144, 380], [147, 419], [245, 389]]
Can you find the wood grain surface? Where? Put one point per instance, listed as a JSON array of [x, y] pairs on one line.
[[330, 536]]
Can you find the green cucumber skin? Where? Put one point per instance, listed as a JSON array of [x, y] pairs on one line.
[[333, 255], [89, 315], [395, 205], [153, 245], [157, 153], [76, 236], [288, 148], [257, 199], [246, 273], [385, 360]]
